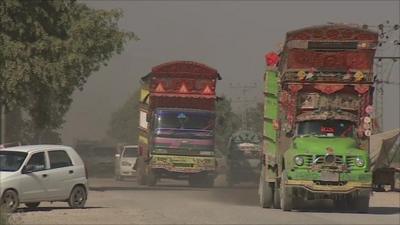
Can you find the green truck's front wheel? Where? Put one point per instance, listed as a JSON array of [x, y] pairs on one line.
[[286, 195], [277, 196], [361, 203], [265, 192]]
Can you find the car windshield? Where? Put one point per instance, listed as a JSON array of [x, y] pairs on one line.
[[11, 161], [327, 128], [185, 120], [130, 152]]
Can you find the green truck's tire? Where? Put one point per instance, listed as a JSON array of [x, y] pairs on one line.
[[361, 202], [265, 194], [265, 191], [277, 197], [286, 194]]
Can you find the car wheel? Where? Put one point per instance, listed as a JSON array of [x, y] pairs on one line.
[[32, 205], [10, 201], [78, 197]]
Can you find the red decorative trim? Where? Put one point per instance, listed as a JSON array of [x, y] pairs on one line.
[[332, 32], [295, 87], [303, 58], [361, 88], [329, 88]]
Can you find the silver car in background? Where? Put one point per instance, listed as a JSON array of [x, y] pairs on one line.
[[125, 160]]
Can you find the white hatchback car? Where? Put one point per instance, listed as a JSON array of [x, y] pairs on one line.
[[36, 173], [125, 161]]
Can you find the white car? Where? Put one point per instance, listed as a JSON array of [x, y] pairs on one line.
[[41, 173], [125, 161]]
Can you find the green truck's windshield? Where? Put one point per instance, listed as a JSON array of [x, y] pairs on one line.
[[185, 120], [328, 128]]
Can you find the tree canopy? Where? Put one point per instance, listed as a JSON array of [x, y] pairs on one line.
[[49, 49], [227, 123], [124, 123]]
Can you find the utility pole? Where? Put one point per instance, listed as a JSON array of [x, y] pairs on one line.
[[243, 99], [389, 38], [3, 124]]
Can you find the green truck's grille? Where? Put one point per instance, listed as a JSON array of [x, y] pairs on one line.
[[183, 164], [350, 161], [310, 160], [320, 159]]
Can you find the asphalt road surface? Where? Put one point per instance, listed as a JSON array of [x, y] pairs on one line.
[[173, 202]]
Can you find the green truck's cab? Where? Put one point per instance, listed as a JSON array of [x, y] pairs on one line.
[[327, 164], [318, 117]]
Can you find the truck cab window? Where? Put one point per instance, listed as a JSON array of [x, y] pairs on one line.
[[333, 128]]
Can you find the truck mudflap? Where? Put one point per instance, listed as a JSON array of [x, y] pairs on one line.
[[344, 188]]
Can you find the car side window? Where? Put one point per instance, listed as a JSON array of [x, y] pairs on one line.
[[37, 162], [58, 159]]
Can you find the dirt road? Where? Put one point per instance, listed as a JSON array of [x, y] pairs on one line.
[[174, 202]]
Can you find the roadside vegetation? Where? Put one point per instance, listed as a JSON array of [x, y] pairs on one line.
[[49, 50]]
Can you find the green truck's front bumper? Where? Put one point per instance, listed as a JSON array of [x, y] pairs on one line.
[[347, 183]]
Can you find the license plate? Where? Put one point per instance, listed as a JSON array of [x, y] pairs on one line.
[[329, 176]]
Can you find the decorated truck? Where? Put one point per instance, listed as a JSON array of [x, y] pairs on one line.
[[243, 158], [176, 123], [318, 117]]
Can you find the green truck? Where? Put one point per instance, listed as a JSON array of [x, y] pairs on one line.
[[318, 117]]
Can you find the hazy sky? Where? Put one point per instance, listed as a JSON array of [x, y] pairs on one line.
[[231, 36]]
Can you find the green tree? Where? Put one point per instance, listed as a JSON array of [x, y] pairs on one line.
[[255, 118], [49, 49], [124, 122], [227, 123]]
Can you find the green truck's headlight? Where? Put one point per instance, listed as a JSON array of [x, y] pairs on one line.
[[299, 160], [360, 162]]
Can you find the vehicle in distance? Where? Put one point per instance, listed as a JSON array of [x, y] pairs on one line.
[[125, 159], [41, 173]]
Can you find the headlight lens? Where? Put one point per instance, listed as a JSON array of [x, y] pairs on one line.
[[360, 162], [299, 160]]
